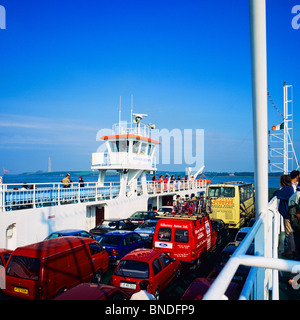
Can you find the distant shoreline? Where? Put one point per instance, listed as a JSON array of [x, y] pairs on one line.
[[180, 173]]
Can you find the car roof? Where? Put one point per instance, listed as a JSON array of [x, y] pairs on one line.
[[245, 229], [141, 255], [88, 291], [69, 232], [5, 251], [51, 247], [119, 233]]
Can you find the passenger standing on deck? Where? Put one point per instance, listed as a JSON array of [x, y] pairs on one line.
[[160, 182], [143, 294], [166, 182], [81, 182], [66, 181], [283, 195], [295, 177], [154, 181]]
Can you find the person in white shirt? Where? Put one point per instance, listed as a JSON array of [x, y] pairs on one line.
[[294, 176], [143, 294]]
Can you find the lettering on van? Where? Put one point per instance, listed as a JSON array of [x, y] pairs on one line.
[[222, 203]]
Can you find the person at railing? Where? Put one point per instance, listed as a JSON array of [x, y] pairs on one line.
[[154, 182], [284, 195], [166, 182], [295, 177], [67, 181], [81, 182], [160, 182], [172, 182]]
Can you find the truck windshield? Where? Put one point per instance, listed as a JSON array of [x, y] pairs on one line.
[[24, 267], [221, 192]]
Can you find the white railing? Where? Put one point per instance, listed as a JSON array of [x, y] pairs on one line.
[[16, 196], [161, 187], [263, 276]]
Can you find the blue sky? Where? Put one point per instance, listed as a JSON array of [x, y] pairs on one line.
[[64, 65]]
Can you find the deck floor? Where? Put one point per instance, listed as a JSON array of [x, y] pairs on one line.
[[286, 291]]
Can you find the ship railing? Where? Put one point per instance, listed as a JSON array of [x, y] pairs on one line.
[[263, 281], [15, 197], [169, 187], [128, 128]]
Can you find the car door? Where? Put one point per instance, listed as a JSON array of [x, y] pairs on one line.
[[167, 268], [158, 278], [138, 241], [128, 244]]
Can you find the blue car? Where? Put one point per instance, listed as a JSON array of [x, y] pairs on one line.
[[119, 243], [146, 230], [73, 233]]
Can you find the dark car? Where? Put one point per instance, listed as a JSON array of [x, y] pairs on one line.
[[119, 243], [200, 286], [221, 228], [93, 291], [112, 225], [242, 271], [72, 233], [141, 216]]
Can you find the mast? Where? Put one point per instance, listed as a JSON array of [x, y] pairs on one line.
[[260, 131]]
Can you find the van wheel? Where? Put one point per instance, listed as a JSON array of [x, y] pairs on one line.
[[97, 277], [156, 293]]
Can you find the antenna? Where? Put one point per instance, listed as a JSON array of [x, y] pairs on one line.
[[131, 111], [120, 110]]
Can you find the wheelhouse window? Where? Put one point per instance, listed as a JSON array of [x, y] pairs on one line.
[[119, 146], [143, 148], [150, 149], [136, 146]]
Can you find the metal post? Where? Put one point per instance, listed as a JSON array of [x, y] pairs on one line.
[[260, 124]]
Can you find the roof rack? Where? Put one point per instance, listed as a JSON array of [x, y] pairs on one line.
[[183, 216]]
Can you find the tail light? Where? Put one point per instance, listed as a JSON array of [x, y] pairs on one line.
[[114, 252], [193, 252], [150, 287], [40, 291]]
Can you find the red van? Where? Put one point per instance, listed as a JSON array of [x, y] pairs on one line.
[[45, 269], [185, 238]]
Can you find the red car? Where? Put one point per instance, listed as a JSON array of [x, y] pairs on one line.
[[200, 286], [93, 291], [145, 264]]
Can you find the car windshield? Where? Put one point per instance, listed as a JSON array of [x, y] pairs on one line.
[[240, 236], [133, 269], [108, 225], [165, 210], [148, 225], [110, 240], [139, 215], [54, 235], [24, 267]]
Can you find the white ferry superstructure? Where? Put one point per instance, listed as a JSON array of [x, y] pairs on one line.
[[28, 216]]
